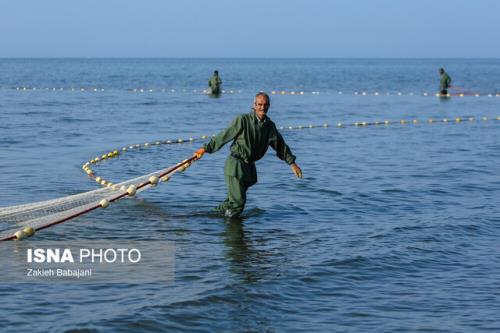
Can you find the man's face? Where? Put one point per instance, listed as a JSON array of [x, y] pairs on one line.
[[261, 106]]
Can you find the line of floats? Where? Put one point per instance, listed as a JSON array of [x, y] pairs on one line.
[[164, 176], [272, 92]]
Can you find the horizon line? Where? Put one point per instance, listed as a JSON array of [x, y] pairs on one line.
[[237, 57]]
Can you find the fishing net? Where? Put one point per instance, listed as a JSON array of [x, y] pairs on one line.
[[16, 221]]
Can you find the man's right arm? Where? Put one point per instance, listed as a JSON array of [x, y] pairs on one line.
[[225, 136]]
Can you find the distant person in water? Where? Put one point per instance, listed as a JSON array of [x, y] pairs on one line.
[[445, 82], [214, 83]]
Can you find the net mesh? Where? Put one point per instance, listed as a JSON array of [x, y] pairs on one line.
[[42, 214]]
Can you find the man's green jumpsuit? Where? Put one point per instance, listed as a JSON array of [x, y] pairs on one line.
[[444, 84], [214, 83], [251, 139]]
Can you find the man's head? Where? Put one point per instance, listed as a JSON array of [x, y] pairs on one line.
[[441, 71], [216, 72], [261, 104]]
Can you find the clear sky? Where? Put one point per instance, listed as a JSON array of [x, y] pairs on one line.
[[257, 28]]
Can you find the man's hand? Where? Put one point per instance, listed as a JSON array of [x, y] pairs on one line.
[[296, 170], [199, 153]]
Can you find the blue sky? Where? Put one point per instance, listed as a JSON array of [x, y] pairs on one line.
[[258, 28]]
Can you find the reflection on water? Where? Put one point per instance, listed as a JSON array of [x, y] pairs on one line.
[[248, 263]]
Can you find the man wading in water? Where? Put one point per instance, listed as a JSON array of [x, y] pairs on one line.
[[444, 83], [214, 83], [252, 134]]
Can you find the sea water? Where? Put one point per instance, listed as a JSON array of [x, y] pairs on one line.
[[394, 228]]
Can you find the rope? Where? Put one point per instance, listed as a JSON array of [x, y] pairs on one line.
[[395, 92], [358, 124]]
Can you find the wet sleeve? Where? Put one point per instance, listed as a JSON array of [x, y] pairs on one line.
[[225, 136], [282, 150]]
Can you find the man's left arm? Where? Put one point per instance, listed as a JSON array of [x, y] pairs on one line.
[[284, 153]]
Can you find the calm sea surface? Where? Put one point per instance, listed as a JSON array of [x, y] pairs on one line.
[[395, 228]]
